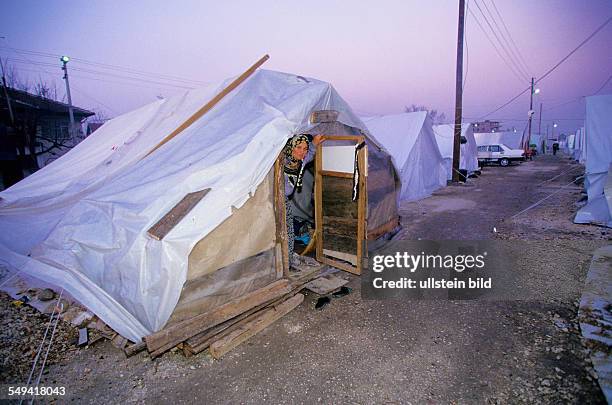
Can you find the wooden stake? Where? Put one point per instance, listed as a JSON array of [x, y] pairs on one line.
[[208, 106]]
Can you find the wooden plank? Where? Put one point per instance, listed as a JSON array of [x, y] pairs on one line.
[[165, 339], [325, 285], [250, 329], [362, 201], [324, 116], [176, 214], [208, 106], [319, 202], [281, 213], [347, 257], [340, 265], [336, 174], [135, 348]]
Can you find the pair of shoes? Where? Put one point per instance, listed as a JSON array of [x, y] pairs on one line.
[[342, 292]]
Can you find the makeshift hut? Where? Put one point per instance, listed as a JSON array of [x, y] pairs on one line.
[[509, 138], [170, 220], [597, 152], [410, 140], [468, 157]]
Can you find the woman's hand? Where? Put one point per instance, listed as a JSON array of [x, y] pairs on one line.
[[317, 139]]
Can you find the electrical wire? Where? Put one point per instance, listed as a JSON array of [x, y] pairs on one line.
[[518, 51], [551, 69], [511, 54], [509, 62]]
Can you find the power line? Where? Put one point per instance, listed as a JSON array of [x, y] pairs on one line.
[[495, 46], [551, 69], [603, 85], [511, 63], [575, 49], [109, 66], [509, 51], [518, 51]]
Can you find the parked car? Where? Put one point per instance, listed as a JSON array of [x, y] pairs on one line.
[[499, 153]]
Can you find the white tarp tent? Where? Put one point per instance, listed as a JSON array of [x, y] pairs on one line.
[[409, 139], [509, 138], [597, 152], [580, 146], [468, 158], [81, 222]]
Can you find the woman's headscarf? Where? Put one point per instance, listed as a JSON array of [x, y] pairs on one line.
[[294, 168]]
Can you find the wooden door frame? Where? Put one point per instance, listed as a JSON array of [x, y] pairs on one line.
[[361, 201]]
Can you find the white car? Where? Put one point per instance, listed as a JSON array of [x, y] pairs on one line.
[[499, 153]]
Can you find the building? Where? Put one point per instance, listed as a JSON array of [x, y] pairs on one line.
[[38, 130], [487, 126]]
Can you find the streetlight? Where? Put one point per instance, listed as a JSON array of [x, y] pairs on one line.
[[65, 59]]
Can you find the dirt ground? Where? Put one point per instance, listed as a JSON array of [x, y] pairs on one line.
[[389, 351]]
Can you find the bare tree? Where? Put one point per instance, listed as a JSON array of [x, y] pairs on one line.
[[436, 118]]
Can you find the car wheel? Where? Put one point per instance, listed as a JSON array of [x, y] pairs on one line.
[[504, 162]]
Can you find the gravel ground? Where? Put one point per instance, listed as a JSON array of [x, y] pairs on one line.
[[389, 351]]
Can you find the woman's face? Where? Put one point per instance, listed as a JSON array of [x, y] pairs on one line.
[[300, 151]]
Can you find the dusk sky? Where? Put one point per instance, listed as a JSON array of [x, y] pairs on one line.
[[380, 57]]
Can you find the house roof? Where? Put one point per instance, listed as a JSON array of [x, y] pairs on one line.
[[23, 99]]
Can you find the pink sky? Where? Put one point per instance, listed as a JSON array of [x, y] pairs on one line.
[[379, 57]]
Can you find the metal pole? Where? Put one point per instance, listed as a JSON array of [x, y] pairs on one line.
[[458, 93], [65, 60], [8, 99]]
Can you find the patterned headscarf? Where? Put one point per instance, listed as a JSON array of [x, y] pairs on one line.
[[294, 168]]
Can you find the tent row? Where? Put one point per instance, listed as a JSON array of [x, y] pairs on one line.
[[593, 146]]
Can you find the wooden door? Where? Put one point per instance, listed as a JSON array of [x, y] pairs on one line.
[[341, 201]]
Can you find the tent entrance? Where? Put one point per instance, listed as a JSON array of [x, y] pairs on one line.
[[341, 201]]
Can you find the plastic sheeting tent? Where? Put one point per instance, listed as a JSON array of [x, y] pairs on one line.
[[81, 223], [468, 158], [410, 140], [509, 138], [597, 151]]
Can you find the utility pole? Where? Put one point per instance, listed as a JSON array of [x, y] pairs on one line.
[[540, 124], [8, 99], [458, 93], [65, 60], [530, 115]]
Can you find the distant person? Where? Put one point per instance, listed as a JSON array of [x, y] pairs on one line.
[[555, 148]]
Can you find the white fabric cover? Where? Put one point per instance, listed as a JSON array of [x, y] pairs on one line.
[[596, 150], [509, 138], [468, 157], [81, 223], [410, 141]]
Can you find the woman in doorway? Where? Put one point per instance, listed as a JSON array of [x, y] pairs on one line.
[[298, 152]]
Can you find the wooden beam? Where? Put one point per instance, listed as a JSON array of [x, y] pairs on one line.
[[176, 214], [319, 203], [336, 174], [208, 106], [256, 325], [167, 338]]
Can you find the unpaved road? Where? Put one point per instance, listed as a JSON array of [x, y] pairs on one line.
[[394, 351]]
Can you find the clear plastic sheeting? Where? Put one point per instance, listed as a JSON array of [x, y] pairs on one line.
[[81, 223], [596, 149], [468, 156], [410, 140]]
